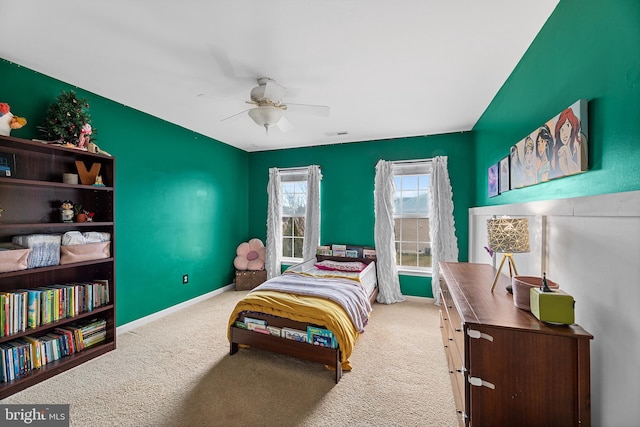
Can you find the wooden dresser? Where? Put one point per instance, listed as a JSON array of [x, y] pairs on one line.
[[508, 368]]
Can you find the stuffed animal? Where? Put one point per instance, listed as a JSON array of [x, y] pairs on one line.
[[8, 121], [251, 255]]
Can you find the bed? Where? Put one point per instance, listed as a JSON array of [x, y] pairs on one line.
[[308, 296]]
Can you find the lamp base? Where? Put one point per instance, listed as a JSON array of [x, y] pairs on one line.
[[512, 270]]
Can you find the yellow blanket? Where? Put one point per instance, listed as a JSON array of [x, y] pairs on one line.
[[314, 310]]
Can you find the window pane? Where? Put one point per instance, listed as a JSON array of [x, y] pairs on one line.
[[424, 256], [297, 248], [298, 226], [423, 230], [300, 204], [287, 247], [300, 187], [288, 188], [409, 230], [409, 182], [287, 226]]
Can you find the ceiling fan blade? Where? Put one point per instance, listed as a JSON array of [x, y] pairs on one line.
[[316, 110], [284, 125], [274, 91], [235, 115]]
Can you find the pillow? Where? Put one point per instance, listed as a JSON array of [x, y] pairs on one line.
[[250, 255], [341, 266]]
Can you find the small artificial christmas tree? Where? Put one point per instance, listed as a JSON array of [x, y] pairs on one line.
[[68, 120]]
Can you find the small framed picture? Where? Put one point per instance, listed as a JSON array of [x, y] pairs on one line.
[[7, 164], [503, 179], [492, 185]]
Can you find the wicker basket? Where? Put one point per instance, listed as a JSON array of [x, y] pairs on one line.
[[13, 257], [249, 279]]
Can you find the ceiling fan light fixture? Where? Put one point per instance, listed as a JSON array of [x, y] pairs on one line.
[[265, 116]]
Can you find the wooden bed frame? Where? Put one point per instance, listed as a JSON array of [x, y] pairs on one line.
[[326, 356]]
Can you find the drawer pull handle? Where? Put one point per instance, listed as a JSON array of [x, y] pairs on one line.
[[477, 334], [479, 382]]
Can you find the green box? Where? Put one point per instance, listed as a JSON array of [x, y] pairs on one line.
[[552, 307]]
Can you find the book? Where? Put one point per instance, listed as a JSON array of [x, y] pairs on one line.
[[294, 334], [354, 251], [323, 250], [274, 330], [320, 336], [240, 325], [339, 250], [249, 320], [368, 253]]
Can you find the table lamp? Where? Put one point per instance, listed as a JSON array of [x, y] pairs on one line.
[[508, 236]]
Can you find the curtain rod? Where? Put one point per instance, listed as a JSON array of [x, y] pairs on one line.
[[412, 161], [292, 170]]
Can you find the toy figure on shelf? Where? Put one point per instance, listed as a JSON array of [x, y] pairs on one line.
[[66, 211], [99, 182]]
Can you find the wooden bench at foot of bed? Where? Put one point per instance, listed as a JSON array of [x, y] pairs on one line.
[[301, 350]]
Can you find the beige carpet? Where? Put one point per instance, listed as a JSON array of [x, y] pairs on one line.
[[176, 371]]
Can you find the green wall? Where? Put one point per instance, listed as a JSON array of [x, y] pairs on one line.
[[348, 172], [181, 198], [587, 49]]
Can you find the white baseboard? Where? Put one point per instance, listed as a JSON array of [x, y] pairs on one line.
[[416, 298], [157, 315]]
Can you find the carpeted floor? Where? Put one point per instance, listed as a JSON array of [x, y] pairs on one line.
[[176, 371]]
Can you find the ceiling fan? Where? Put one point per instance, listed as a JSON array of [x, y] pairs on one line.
[[269, 107]]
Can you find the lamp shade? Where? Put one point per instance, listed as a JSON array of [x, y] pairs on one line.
[[508, 235], [265, 115]]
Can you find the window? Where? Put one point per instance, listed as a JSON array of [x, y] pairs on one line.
[[294, 206], [411, 216]]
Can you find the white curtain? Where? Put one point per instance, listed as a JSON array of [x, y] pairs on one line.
[[274, 227], [384, 196], [444, 244], [312, 215]]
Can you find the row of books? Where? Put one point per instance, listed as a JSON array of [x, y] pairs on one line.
[[29, 308], [26, 354], [313, 335], [346, 251]]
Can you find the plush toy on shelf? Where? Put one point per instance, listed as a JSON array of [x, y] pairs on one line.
[[8, 121]]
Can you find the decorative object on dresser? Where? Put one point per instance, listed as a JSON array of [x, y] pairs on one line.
[[45, 306], [506, 236], [521, 286], [507, 368]]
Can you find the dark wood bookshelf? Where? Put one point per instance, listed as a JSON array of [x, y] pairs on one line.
[[31, 199]]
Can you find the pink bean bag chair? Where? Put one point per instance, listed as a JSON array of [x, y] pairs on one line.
[[250, 255]]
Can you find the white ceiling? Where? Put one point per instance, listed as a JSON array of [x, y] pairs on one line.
[[386, 69]]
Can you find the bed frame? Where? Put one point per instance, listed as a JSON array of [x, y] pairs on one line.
[[326, 356]]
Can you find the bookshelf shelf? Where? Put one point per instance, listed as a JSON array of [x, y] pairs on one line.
[[31, 196]]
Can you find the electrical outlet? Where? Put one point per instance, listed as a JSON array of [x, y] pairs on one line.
[[185, 279]]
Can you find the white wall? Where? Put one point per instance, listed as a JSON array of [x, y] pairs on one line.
[[590, 246]]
